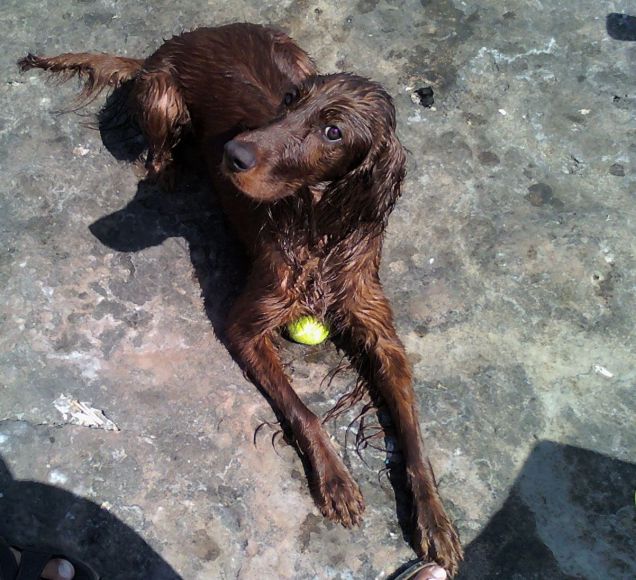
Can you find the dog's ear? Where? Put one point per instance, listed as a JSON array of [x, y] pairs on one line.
[[292, 59], [162, 112], [381, 175], [365, 196]]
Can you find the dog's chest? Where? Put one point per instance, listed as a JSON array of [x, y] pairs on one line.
[[315, 285], [309, 286]]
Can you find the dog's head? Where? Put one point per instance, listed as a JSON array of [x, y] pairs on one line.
[[335, 133]]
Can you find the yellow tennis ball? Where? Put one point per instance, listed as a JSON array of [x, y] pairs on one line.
[[308, 330]]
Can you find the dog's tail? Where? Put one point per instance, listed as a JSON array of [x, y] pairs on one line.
[[99, 71]]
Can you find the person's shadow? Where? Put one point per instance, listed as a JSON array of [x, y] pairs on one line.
[[570, 515], [40, 515]]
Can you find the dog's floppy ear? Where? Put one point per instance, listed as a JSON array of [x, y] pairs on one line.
[[292, 59], [365, 196], [381, 175]]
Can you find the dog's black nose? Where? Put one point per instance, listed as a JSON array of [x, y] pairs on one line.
[[239, 156]]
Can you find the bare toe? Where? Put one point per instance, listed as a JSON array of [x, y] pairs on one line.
[[55, 569], [431, 572], [58, 569], [422, 571]]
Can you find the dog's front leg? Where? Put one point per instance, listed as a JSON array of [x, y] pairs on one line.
[[382, 359], [252, 322]]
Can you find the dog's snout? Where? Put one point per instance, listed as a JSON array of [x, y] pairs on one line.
[[239, 156]]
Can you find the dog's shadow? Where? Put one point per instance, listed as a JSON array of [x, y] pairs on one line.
[[189, 210]]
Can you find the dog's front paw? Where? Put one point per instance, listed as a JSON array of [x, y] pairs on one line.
[[435, 538], [339, 496]]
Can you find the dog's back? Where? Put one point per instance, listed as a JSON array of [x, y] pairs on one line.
[[233, 76], [219, 81]]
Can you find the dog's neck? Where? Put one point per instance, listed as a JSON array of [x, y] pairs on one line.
[[304, 229]]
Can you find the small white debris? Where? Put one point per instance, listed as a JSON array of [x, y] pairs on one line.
[[431, 260], [416, 118], [607, 253], [56, 477], [81, 151], [81, 413], [601, 370], [585, 111], [119, 454], [48, 291], [503, 112]]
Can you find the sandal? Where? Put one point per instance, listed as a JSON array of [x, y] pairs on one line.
[[33, 562], [412, 570]]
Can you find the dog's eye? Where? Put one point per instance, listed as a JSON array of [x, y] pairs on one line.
[[290, 97], [333, 133]]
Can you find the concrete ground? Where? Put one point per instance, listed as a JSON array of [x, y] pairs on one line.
[[510, 261]]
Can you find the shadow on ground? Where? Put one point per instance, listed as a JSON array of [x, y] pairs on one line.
[[189, 210], [570, 511], [621, 26], [35, 514]]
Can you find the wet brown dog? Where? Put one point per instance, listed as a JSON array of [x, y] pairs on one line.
[[308, 168]]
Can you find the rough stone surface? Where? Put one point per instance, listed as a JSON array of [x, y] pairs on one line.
[[510, 262]]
